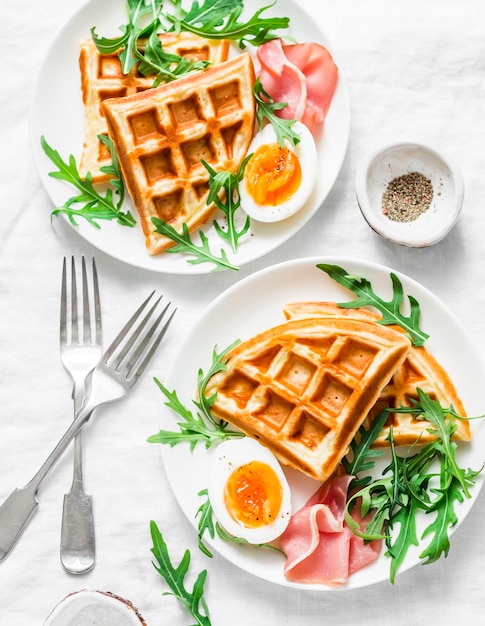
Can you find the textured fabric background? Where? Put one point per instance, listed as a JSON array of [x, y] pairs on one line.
[[415, 70]]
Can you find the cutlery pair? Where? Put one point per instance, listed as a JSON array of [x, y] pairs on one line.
[[117, 371]]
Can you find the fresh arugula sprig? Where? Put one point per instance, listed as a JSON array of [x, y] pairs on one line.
[[126, 45], [266, 108], [204, 402], [184, 243], [391, 310], [94, 205], [213, 19], [206, 523], [139, 43], [362, 455], [165, 66], [219, 19], [224, 193], [194, 600], [201, 427], [193, 429], [430, 480]]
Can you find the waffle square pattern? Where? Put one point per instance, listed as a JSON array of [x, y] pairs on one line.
[[420, 370], [162, 135], [102, 78], [303, 388]]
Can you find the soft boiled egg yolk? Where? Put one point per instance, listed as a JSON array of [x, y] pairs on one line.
[[273, 174], [278, 179], [248, 491], [253, 494]]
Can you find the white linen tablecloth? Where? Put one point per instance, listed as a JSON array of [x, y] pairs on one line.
[[415, 70]]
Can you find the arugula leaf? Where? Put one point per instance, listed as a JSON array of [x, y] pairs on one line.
[[165, 66], [138, 11], [218, 19], [362, 451], [390, 310], [407, 486], [214, 19], [95, 206], [204, 512], [218, 365], [193, 429], [139, 43], [266, 108], [224, 193], [193, 601], [184, 243]]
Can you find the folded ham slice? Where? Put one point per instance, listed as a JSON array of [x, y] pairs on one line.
[[319, 546], [302, 75]]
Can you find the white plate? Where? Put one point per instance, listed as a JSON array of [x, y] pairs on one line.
[[57, 113], [255, 304]]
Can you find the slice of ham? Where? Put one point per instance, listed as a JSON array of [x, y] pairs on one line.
[[302, 75], [319, 546]]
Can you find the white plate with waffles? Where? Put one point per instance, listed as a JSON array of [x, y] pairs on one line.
[[57, 114], [255, 304]]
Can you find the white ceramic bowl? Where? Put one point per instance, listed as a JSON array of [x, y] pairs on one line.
[[380, 167]]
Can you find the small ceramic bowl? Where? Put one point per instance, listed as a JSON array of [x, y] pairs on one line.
[[384, 165]]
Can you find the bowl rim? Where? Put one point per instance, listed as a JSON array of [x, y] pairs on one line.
[[409, 236]]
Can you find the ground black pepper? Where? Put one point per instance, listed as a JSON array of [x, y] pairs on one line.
[[407, 197]]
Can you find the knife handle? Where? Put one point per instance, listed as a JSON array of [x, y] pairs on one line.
[[15, 514]]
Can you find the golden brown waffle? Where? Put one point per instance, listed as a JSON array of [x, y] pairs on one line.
[[303, 388], [161, 136], [419, 370], [102, 78]]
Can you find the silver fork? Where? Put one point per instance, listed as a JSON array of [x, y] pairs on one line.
[[118, 370], [81, 349]]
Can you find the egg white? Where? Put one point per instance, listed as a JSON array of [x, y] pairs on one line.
[[227, 457], [306, 151]]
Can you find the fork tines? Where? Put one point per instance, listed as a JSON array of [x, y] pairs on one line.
[[130, 353], [69, 290]]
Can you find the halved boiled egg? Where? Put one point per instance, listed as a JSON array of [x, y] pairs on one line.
[[248, 491], [278, 180]]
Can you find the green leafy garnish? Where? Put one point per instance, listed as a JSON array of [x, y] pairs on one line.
[[201, 427], [362, 452], [266, 108], [206, 523], [224, 193], [141, 44], [391, 313], [193, 601], [213, 19], [430, 480], [219, 19], [94, 205], [184, 243], [164, 65]]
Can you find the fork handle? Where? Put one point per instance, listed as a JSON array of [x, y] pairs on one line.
[[78, 541], [18, 509]]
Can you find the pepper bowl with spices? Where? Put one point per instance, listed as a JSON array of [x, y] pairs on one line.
[[409, 193]]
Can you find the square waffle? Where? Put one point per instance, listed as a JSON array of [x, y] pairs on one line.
[[102, 78], [161, 136], [419, 370], [303, 388]]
